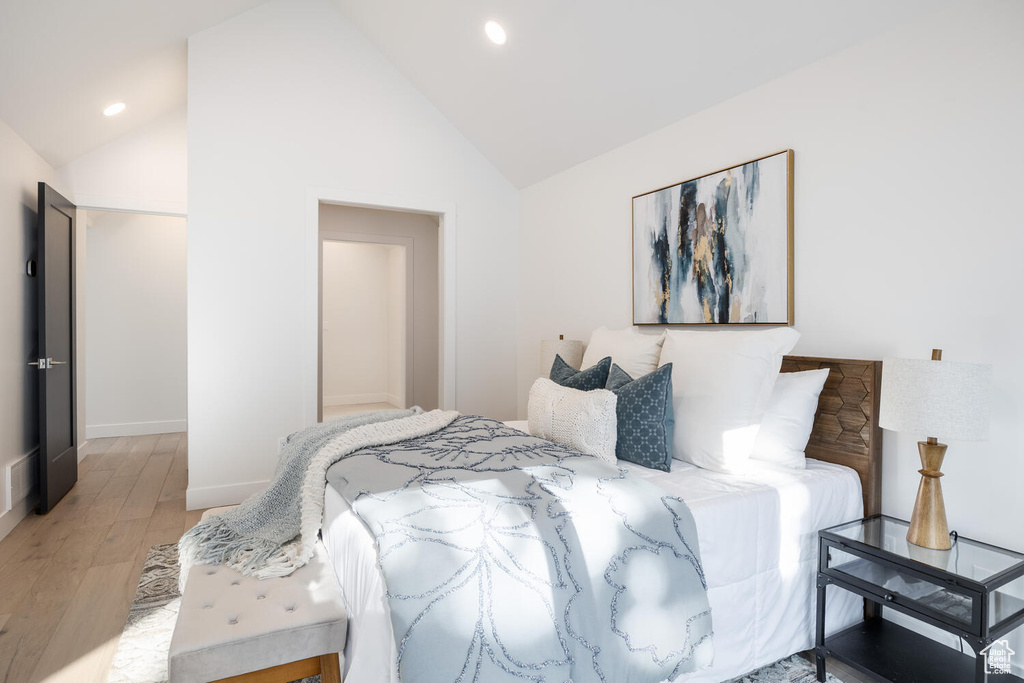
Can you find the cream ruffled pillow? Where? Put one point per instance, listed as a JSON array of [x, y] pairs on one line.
[[581, 420]]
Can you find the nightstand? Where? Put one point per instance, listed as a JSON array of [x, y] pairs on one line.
[[974, 590]]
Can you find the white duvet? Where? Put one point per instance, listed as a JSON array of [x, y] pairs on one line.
[[758, 542]]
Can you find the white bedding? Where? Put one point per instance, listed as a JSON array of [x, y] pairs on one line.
[[758, 542]]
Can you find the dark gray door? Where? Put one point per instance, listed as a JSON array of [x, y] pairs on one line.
[[58, 452]]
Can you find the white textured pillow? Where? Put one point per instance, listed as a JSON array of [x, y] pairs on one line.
[[722, 381], [634, 352], [581, 420], [788, 421]]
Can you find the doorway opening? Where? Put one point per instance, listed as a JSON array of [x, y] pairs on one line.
[[135, 325], [379, 310], [364, 327], [110, 316]]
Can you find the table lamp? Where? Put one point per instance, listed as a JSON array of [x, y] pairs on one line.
[[570, 350], [937, 399]]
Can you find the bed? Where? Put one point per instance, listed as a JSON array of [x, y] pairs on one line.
[[757, 535]]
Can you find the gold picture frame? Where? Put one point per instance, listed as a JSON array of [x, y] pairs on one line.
[[717, 249]]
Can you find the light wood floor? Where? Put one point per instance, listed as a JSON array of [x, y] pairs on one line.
[[67, 578], [333, 412]]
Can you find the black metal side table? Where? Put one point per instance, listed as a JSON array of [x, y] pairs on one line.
[[974, 591]]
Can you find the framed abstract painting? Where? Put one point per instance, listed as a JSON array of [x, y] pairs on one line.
[[717, 249]]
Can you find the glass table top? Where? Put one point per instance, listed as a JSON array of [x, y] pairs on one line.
[[968, 559]]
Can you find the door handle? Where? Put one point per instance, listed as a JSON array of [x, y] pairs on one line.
[[47, 363]]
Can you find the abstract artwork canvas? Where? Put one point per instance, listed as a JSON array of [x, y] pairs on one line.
[[717, 249]]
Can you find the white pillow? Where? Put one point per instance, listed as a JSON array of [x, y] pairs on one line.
[[721, 383], [632, 351], [788, 421], [581, 420]]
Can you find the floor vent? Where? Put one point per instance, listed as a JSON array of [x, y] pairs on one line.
[[21, 478]]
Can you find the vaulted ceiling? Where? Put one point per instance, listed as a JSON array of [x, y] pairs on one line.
[[63, 61], [580, 77], [576, 78]]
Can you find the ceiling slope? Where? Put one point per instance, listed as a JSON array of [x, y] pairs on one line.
[[580, 77], [63, 61]]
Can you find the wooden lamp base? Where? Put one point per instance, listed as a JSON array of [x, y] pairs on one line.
[[928, 527]]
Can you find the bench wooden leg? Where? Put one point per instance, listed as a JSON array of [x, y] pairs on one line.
[[328, 666], [330, 669]]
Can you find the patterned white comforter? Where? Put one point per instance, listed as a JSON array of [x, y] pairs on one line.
[[509, 558]]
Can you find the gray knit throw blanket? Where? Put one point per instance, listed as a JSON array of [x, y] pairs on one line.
[[273, 533]]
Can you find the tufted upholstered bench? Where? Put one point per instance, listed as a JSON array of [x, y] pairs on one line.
[[237, 628]]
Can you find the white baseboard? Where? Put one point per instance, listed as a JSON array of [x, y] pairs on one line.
[[394, 400], [135, 428], [201, 498], [82, 450], [21, 510], [353, 399]]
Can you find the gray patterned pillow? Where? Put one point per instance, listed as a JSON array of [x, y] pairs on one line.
[[585, 380], [645, 417]]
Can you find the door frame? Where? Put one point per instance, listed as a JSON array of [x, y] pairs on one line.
[[92, 202], [445, 211], [97, 202], [408, 244]]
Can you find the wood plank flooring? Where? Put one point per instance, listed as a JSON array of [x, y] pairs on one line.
[[67, 578]]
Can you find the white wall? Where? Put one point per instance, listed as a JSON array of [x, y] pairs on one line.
[[396, 336], [20, 171], [908, 227], [283, 98], [360, 329], [420, 233], [135, 321], [146, 170]]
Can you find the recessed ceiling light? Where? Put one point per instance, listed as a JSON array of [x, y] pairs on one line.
[[495, 32], [114, 109]]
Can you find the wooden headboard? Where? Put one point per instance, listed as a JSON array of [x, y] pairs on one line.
[[846, 430]]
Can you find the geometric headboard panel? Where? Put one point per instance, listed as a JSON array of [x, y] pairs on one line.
[[846, 430]]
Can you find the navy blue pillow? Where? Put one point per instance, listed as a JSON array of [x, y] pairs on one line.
[[644, 414], [584, 380]]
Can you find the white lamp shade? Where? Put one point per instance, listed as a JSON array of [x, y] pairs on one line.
[[571, 351], [936, 398]]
